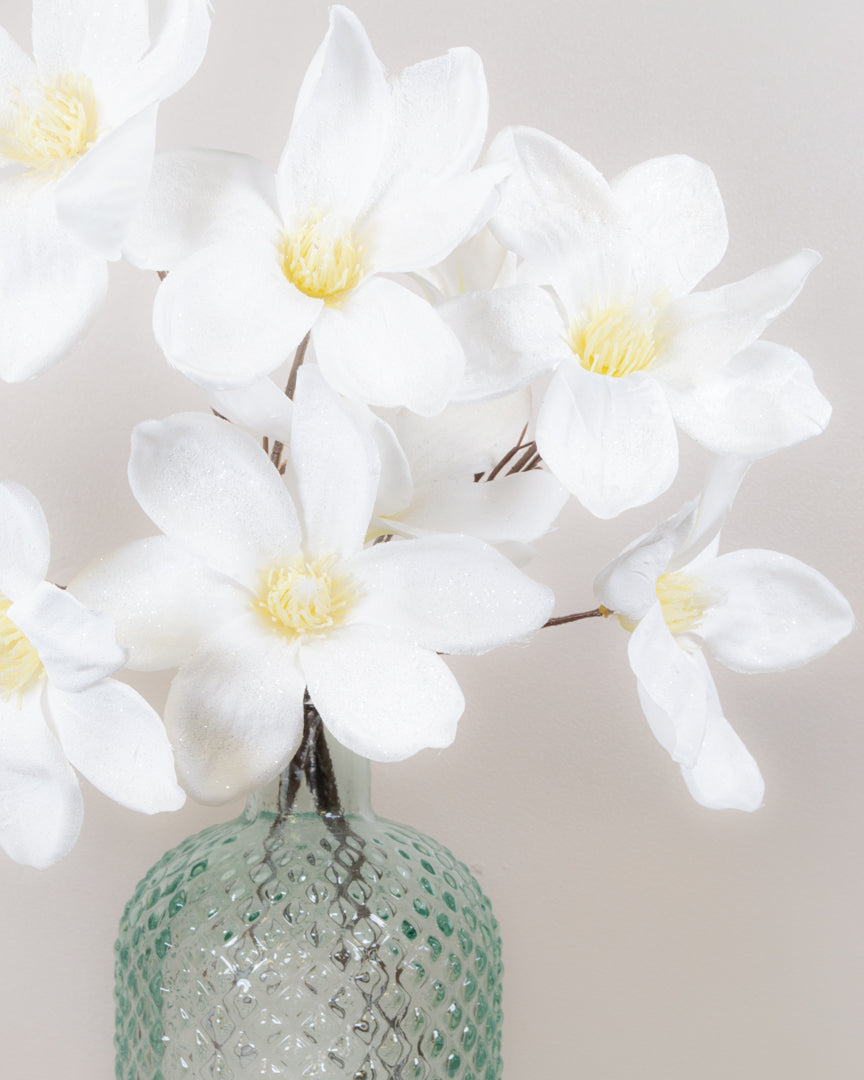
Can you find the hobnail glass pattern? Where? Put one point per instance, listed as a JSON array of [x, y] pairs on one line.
[[300, 947]]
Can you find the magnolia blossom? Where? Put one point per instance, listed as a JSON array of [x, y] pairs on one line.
[[58, 709], [257, 594], [751, 610], [472, 470], [605, 299], [458, 472], [77, 131], [374, 180]]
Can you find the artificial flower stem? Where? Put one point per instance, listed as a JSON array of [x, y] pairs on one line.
[[299, 356], [559, 620]]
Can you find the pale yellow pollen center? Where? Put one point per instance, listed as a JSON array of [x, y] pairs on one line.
[[306, 598], [54, 126], [684, 600], [322, 260], [19, 662], [613, 341]]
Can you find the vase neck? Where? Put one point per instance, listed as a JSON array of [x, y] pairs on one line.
[[322, 778]]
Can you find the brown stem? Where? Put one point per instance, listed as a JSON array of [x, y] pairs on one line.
[[299, 356], [508, 457], [559, 620]]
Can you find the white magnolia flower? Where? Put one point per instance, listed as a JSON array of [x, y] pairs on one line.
[[430, 466], [256, 596], [374, 180], [471, 469], [57, 707], [635, 351], [77, 131], [752, 610]]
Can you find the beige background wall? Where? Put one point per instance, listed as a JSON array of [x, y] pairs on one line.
[[645, 937]]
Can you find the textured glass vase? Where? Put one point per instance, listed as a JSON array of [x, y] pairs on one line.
[[308, 938]]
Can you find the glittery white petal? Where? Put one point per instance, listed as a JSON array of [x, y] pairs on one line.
[[235, 711], [40, 802], [380, 695], [211, 488], [163, 599], [336, 469], [448, 593], [24, 542], [76, 646], [117, 741], [778, 612]]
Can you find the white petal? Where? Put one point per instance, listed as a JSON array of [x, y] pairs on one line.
[[440, 110], [113, 738], [423, 228], [553, 200], [700, 546], [164, 600], [479, 263], [452, 594], [610, 441], [510, 336], [628, 584], [177, 48], [210, 487], [16, 71], [227, 315], [336, 468], [673, 687], [334, 149], [40, 803], [379, 695], [261, 407], [765, 399], [778, 614], [76, 646], [24, 541], [725, 776], [704, 330], [521, 507], [674, 207], [235, 712], [462, 440], [97, 197], [386, 346], [50, 284], [99, 38], [395, 484], [191, 194]]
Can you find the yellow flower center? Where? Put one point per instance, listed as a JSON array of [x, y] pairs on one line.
[[322, 260], [19, 662], [306, 598], [53, 127], [613, 341], [685, 601]]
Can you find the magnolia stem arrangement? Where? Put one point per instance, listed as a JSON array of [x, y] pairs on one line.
[[474, 332]]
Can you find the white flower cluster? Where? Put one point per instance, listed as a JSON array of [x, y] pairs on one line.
[[469, 344]]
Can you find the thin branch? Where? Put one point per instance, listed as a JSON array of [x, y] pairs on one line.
[[523, 462], [508, 457], [299, 356], [598, 613]]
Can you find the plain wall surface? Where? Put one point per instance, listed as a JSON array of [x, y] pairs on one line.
[[644, 935]]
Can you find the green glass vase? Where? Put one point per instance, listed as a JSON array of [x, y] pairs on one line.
[[309, 938]]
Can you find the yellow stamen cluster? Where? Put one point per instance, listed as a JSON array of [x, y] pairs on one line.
[[306, 598], [612, 341], [53, 127], [321, 260], [685, 601], [19, 661]]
